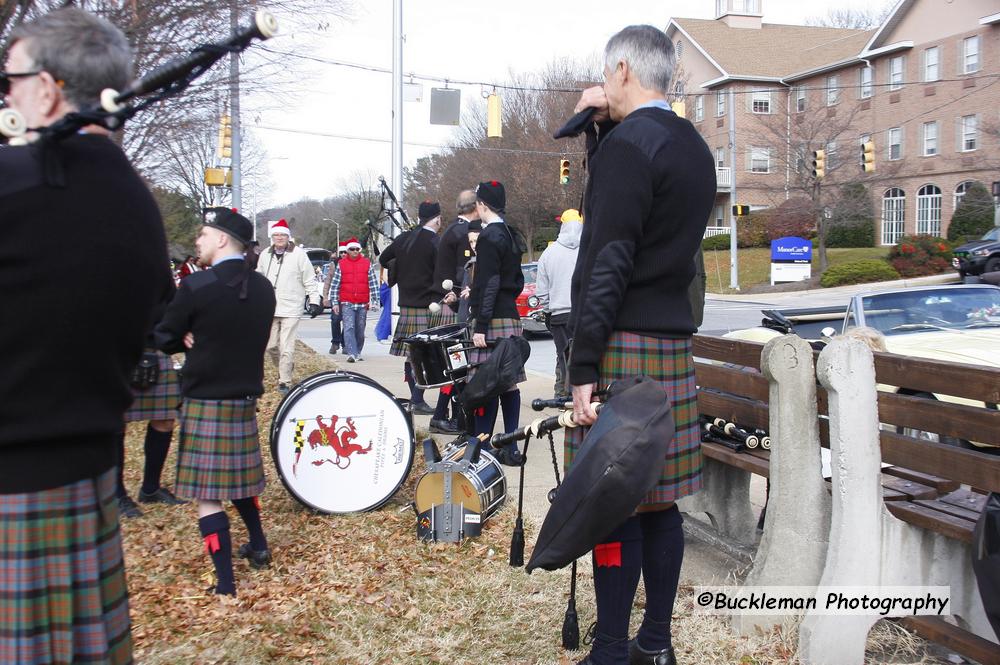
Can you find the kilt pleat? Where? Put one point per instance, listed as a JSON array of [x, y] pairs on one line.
[[219, 454], [411, 321], [497, 329], [160, 401], [444, 317], [63, 596], [669, 362]]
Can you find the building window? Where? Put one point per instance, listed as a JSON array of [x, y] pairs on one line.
[[720, 157], [930, 139], [802, 163], [699, 108], [800, 99], [931, 69], [761, 101], [968, 133], [866, 88], [960, 191], [970, 55], [832, 90], [896, 72], [720, 215], [679, 49], [894, 140], [893, 215], [929, 211], [720, 103], [760, 159]]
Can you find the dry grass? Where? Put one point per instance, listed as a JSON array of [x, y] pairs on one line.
[[755, 265], [363, 589]]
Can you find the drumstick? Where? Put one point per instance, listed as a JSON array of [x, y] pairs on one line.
[[435, 307]]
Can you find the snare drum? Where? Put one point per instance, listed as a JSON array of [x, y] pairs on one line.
[[479, 487], [341, 443], [439, 356]]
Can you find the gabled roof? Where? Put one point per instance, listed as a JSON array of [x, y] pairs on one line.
[[775, 50], [888, 25]]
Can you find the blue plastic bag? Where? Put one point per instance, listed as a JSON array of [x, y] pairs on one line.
[[383, 329]]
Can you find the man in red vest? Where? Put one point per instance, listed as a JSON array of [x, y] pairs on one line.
[[352, 292]]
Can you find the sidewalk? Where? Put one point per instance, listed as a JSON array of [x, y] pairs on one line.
[[703, 562]]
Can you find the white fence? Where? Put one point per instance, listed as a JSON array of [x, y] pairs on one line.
[[723, 177], [716, 231]]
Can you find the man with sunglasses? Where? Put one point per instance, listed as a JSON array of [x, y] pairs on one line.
[[62, 582], [353, 291]]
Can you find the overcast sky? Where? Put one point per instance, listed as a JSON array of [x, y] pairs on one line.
[[459, 40]]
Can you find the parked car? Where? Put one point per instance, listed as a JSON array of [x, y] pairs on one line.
[[978, 256], [528, 307], [957, 323], [320, 258]]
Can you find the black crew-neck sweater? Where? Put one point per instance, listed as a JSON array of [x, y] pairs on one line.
[[650, 191], [230, 334], [82, 268], [415, 259], [453, 253], [499, 279]]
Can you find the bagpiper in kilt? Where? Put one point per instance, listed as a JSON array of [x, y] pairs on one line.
[[649, 193], [219, 459], [411, 321], [63, 594]]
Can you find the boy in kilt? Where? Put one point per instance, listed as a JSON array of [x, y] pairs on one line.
[[222, 318], [492, 303], [650, 191], [415, 253], [63, 596]]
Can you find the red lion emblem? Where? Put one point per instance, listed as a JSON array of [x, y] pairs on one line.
[[337, 438]]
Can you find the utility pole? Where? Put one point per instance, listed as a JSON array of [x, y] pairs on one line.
[[397, 98], [234, 105]]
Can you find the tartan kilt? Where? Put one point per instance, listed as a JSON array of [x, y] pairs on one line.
[[497, 329], [219, 455], [63, 597], [445, 317], [161, 400], [669, 362], [411, 321]]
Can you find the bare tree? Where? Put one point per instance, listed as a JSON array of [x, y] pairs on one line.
[[857, 19]]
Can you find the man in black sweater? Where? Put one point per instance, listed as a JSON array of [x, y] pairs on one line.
[[648, 199], [66, 363], [453, 253], [222, 319]]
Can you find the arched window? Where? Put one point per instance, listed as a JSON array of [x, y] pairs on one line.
[[893, 215], [929, 210], [960, 191]]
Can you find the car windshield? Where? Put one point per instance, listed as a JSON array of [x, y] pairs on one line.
[[530, 271], [933, 309], [992, 234]]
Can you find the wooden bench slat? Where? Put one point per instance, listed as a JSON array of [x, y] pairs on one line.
[[938, 376], [969, 467], [912, 490], [722, 454], [738, 352], [958, 640], [949, 509], [967, 499], [746, 412], [942, 485], [734, 381], [931, 415], [934, 520]]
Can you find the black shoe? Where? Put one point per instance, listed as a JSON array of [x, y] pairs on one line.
[[127, 507], [162, 495], [443, 426], [639, 656], [258, 560], [333, 349], [421, 408], [283, 388], [508, 455]]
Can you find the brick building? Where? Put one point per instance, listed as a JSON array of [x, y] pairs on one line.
[[924, 87]]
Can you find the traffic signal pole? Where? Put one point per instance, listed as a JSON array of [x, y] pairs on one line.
[[234, 105], [734, 271]]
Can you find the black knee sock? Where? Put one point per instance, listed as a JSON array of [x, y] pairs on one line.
[[120, 490], [441, 409], [617, 564], [662, 553], [250, 514], [215, 532], [156, 447], [486, 418], [416, 394], [510, 405]]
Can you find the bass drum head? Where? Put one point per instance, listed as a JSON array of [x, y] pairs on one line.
[[341, 443]]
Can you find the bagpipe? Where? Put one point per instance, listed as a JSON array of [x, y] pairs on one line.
[[731, 435], [167, 80], [390, 211]]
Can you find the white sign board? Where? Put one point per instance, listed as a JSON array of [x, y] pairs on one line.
[[790, 272]]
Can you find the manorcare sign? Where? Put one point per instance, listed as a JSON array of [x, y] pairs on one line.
[[791, 260]]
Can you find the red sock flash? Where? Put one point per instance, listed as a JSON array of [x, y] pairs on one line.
[[212, 543], [608, 555], [256, 502]]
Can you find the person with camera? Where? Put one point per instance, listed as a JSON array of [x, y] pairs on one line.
[[290, 272]]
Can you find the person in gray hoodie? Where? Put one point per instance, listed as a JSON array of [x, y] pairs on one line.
[[553, 288]]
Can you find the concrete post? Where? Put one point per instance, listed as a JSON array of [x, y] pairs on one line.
[[847, 371], [798, 508]]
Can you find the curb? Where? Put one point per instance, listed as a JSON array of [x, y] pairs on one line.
[[944, 278]]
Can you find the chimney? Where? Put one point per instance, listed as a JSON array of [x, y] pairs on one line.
[[739, 13]]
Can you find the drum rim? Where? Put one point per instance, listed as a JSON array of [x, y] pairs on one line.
[[281, 412], [459, 327]]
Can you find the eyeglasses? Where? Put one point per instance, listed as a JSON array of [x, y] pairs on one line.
[[354, 249], [5, 79]]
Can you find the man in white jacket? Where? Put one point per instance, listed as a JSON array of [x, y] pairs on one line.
[[291, 274], [553, 288]]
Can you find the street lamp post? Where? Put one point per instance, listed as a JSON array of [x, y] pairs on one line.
[[325, 219]]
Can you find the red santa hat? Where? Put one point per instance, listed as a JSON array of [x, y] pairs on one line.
[[280, 226], [342, 246], [353, 244]]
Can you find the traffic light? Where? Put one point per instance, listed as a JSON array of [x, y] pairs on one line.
[[563, 171], [819, 164], [494, 128], [741, 210], [868, 156], [225, 149]]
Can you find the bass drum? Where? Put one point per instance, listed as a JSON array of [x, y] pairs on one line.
[[341, 443]]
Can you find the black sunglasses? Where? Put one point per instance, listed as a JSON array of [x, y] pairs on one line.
[[5, 78]]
